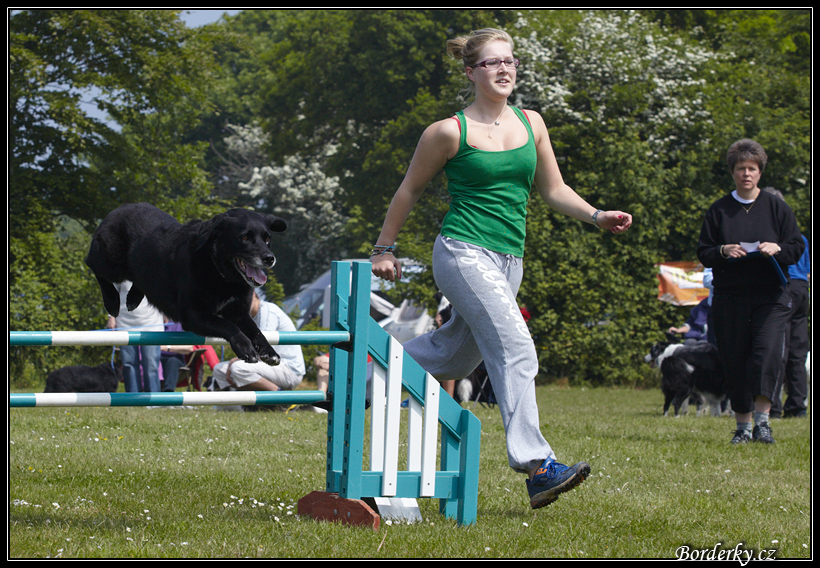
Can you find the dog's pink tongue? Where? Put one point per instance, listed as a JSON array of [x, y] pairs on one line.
[[256, 274]]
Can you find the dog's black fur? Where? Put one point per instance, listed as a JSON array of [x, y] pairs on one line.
[[82, 378], [200, 274], [689, 371]]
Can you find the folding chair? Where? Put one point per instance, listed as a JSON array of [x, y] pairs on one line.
[[190, 374]]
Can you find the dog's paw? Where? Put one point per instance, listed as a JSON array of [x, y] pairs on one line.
[[269, 355], [244, 349], [249, 358], [266, 352], [271, 360]]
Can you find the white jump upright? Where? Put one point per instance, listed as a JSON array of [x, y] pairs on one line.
[[442, 458]]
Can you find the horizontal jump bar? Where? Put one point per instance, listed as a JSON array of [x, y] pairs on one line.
[[192, 398], [105, 337]]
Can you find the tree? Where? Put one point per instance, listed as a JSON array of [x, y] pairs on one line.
[[764, 92], [98, 102], [48, 290], [340, 77], [300, 192]]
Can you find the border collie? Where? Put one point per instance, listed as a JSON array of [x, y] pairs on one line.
[[475, 387], [689, 371]]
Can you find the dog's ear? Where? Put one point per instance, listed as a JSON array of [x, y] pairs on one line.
[[276, 224], [272, 222], [207, 230]]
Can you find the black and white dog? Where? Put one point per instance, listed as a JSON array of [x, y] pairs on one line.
[[475, 387], [689, 372], [105, 377], [200, 274]]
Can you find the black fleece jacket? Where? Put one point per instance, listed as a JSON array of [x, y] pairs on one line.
[[727, 222]]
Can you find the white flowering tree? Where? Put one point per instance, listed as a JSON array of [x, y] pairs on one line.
[[616, 79], [300, 192], [608, 50], [625, 105]]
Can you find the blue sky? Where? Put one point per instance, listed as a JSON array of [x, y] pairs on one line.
[[196, 18]]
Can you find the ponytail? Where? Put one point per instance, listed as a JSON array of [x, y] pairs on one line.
[[467, 48]]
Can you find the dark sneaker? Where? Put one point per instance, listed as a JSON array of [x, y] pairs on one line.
[[741, 437], [763, 433], [552, 479]]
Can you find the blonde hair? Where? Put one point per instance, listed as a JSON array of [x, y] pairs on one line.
[[467, 48]]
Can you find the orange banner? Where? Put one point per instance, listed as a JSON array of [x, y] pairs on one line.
[[681, 283]]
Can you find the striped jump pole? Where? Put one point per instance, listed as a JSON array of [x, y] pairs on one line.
[[442, 460], [190, 398], [106, 337], [113, 337]]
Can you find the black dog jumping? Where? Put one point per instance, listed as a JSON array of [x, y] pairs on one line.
[[200, 274]]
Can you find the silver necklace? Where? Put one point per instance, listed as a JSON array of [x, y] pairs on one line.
[[495, 123]]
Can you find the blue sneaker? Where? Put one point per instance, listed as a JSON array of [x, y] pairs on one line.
[[552, 479]]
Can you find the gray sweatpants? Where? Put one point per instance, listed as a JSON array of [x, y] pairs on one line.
[[486, 324]]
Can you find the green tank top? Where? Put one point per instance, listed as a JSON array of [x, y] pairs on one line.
[[489, 193]]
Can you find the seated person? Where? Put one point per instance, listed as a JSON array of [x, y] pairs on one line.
[[237, 374], [174, 357], [694, 329]]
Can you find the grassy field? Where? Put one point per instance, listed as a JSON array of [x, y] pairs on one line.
[[202, 483]]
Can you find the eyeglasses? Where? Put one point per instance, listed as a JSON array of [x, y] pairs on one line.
[[496, 63]]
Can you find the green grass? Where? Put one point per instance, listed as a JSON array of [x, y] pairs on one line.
[[202, 483]]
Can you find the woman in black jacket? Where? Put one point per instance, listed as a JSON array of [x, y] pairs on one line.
[[749, 238]]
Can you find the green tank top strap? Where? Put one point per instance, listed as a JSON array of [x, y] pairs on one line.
[[462, 125], [489, 191]]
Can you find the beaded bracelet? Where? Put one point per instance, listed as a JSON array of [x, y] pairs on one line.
[[595, 218], [381, 250]]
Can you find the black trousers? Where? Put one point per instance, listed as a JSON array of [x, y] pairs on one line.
[[751, 337], [795, 379]]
